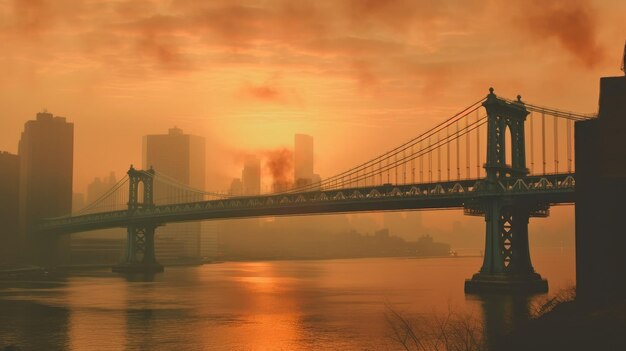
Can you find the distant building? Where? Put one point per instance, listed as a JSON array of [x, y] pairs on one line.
[[9, 204], [181, 157], [303, 160], [46, 151], [99, 187], [251, 176], [236, 187]]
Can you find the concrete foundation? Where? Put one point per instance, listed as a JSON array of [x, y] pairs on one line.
[[531, 283], [137, 268]]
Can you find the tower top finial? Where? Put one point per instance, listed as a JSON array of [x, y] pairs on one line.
[[491, 90], [519, 98]]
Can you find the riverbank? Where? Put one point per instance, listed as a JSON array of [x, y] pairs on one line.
[[572, 326]]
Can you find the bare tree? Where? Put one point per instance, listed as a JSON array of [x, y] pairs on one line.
[[448, 332], [545, 305]]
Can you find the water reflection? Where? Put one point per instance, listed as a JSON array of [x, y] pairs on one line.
[[32, 325], [290, 305], [501, 313], [96, 309]]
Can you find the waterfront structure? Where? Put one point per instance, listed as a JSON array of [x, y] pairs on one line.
[[600, 194], [9, 204]]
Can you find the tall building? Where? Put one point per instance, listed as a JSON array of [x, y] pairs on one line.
[[181, 157], [251, 176], [9, 204], [46, 151], [303, 160], [236, 187]]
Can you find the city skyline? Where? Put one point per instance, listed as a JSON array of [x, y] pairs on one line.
[[197, 87], [312, 175]]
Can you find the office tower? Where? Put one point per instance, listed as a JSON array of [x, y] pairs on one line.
[[46, 151], [303, 160], [181, 157], [236, 187], [251, 176], [9, 204]]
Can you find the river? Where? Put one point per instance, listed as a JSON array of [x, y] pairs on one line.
[[270, 305]]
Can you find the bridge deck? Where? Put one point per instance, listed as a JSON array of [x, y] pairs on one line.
[[545, 189]]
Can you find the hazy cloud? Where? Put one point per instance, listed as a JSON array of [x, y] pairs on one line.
[[573, 23]]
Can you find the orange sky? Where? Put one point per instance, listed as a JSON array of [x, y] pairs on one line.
[[360, 76]]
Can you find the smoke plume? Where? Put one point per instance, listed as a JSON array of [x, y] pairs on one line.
[[279, 163], [571, 23]]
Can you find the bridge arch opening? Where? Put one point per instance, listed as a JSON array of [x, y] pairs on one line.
[[140, 192], [508, 146]]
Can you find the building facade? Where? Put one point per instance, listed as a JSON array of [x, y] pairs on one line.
[[46, 152], [303, 160], [9, 204], [251, 176], [181, 157]]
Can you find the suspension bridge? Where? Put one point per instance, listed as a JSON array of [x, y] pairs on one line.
[[476, 161]]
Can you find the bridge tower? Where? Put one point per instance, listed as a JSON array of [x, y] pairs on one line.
[[140, 257], [506, 265]]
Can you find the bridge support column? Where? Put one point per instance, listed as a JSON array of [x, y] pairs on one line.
[[140, 257], [506, 264]]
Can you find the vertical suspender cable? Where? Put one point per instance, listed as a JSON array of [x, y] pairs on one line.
[[556, 144], [438, 158], [467, 147], [395, 162], [412, 165], [404, 167], [421, 164], [569, 145], [543, 140], [477, 146], [448, 151], [532, 145], [430, 163], [458, 154]]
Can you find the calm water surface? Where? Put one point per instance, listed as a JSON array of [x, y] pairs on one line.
[[280, 305]]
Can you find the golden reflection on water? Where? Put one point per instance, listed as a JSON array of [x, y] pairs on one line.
[[97, 319], [281, 305]]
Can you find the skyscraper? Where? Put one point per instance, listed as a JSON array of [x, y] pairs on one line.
[[46, 151], [251, 176], [236, 187], [303, 160], [9, 204], [181, 157]]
